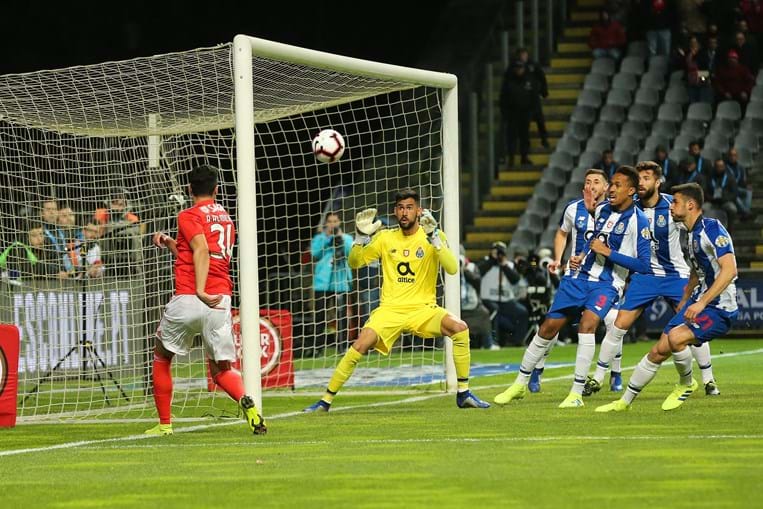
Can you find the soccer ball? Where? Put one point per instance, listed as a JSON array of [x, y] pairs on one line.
[[328, 146]]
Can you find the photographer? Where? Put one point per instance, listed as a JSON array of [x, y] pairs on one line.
[[332, 279], [121, 243], [473, 311], [497, 291]]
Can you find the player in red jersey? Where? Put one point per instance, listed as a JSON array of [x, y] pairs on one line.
[[202, 300]]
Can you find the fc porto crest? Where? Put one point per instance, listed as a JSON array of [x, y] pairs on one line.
[[645, 233], [420, 252], [620, 228], [661, 221]]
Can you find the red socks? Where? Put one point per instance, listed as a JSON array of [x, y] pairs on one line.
[[231, 383], [162, 387]]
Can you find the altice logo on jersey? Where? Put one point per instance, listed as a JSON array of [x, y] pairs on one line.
[[404, 269]]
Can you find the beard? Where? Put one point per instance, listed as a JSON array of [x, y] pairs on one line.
[[405, 228], [647, 194]]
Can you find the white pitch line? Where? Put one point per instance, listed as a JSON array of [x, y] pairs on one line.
[[199, 427]]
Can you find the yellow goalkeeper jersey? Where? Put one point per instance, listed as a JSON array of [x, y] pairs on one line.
[[410, 265]]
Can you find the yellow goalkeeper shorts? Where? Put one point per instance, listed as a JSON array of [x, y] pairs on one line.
[[388, 322]]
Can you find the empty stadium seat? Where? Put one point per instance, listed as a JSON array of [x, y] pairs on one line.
[[612, 113], [603, 66], [577, 130], [597, 144], [632, 65], [757, 94], [647, 97], [700, 111], [645, 155], [683, 140], [730, 110], [619, 97], [747, 140], [546, 190], [555, 175], [746, 157], [677, 95], [625, 81], [625, 157], [654, 140], [634, 128], [670, 112], [562, 160], [694, 128], [589, 158], [717, 140], [641, 113], [676, 78], [659, 63], [522, 239], [723, 125], [590, 98], [638, 49], [678, 154], [666, 128], [759, 78], [653, 80], [597, 82], [569, 145], [583, 114], [711, 153], [628, 144], [606, 129], [532, 222]]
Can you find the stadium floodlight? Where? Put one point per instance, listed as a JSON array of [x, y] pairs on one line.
[[112, 141]]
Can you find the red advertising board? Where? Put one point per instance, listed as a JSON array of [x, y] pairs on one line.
[[276, 345], [9, 375]]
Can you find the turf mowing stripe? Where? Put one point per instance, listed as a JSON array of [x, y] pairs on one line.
[[190, 429]]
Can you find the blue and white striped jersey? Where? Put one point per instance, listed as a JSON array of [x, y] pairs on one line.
[[666, 258], [576, 221], [627, 234], [708, 241]]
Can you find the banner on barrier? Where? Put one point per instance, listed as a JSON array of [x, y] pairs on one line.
[[9, 375]]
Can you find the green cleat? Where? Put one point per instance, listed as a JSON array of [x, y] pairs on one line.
[[253, 418], [679, 395], [515, 391], [616, 406], [159, 430], [591, 386], [573, 400]]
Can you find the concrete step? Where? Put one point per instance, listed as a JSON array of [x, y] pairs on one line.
[[582, 63], [511, 190], [590, 4], [488, 237], [566, 78], [477, 254], [495, 222], [579, 15], [513, 176], [577, 31], [504, 205], [572, 47]]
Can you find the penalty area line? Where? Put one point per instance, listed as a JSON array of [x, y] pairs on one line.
[[414, 399]]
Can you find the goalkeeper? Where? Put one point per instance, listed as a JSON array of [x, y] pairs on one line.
[[410, 258]]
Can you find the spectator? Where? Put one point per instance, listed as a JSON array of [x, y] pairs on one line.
[[607, 163], [607, 37], [121, 244], [751, 39], [669, 168], [535, 71], [89, 250], [497, 293], [518, 96], [31, 259], [744, 186], [687, 172], [693, 16], [752, 10], [67, 223], [659, 19], [734, 81], [619, 10], [332, 279], [747, 52], [721, 195], [708, 56], [695, 153], [54, 242], [697, 73], [473, 311]]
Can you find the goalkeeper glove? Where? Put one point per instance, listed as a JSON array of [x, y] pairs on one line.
[[429, 225], [365, 226]]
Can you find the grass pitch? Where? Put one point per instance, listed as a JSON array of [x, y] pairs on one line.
[[419, 450]]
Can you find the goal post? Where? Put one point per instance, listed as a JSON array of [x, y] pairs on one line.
[[244, 49], [105, 148]]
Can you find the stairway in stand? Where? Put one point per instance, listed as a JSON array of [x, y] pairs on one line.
[[500, 209]]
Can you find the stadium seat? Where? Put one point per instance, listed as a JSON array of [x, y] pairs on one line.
[[625, 157], [747, 140], [590, 98], [597, 144], [695, 128], [574, 188], [540, 206], [584, 114], [612, 113], [578, 174], [547, 191], [562, 160], [625, 81], [637, 49], [577, 130], [665, 128], [606, 129], [746, 157], [757, 94], [647, 97], [730, 110], [711, 153], [683, 140], [723, 125], [641, 113], [628, 144], [678, 154], [589, 158], [645, 155], [676, 78], [569, 145], [532, 222], [522, 239], [634, 128], [548, 235], [654, 140], [754, 110], [659, 64], [677, 95], [619, 97], [700, 111], [603, 67], [759, 78], [717, 140], [653, 80], [555, 175], [597, 82], [632, 65], [750, 124], [670, 112]]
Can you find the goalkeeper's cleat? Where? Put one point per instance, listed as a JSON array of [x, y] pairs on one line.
[[318, 406], [253, 418], [468, 400], [573, 400], [534, 384], [515, 391], [159, 430], [591, 386], [711, 389], [679, 395], [615, 382], [616, 406]]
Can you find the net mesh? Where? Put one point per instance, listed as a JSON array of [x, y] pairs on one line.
[[82, 189]]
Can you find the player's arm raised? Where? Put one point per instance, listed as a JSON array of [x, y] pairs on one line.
[[438, 240], [201, 270], [364, 249]]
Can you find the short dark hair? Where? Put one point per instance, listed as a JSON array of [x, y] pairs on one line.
[[650, 166], [695, 142], [630, 172], [405, 193], [606, 151], [203, 180], [597, 171], [692, 191]]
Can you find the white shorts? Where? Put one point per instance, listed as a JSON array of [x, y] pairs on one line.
[[185, 316]]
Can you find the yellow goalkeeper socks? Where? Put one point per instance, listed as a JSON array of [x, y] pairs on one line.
[[462, 358], [342, 373]]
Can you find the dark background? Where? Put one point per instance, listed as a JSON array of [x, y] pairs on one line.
[[44, 35]]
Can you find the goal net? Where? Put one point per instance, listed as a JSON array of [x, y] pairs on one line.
[[92, 162]]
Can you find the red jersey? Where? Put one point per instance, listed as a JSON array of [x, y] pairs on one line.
[[211, 220]]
